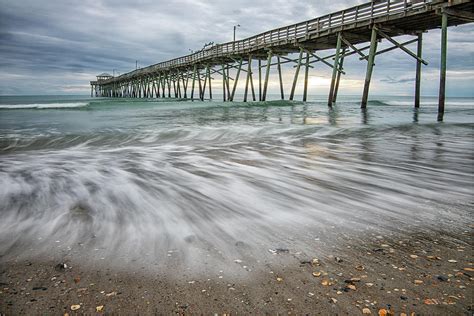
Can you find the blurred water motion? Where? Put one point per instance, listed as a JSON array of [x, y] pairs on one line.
[[142, 180]]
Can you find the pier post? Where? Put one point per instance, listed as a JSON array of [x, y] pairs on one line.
[[442, 72], [306, 74], [236, 81], [205, 82], [185, 84], [295, 79], [210, 79], [335, 70], [252, 87], [227, 82], [418, 70], [174, 88], [193, 82], [163, 86], [201, 93], [169, 84], [178, 83], [249, 73], [158, 84], [339, 73], [267, 75], [282, 94], [223, 84], [259, 79], [370, 67]]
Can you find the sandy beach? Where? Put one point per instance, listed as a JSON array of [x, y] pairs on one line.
[[419, 274]]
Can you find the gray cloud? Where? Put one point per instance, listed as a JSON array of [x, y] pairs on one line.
[[58, 46]]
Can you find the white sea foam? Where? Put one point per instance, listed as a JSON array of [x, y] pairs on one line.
[[44, 105], [430, 103]]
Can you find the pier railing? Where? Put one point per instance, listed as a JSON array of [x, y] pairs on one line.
[[287, 34]]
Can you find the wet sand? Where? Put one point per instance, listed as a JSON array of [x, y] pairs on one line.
[[422, 273]]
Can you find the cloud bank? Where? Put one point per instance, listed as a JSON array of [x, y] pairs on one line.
[[57, 47]]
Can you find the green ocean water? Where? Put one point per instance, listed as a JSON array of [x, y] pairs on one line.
[[145, 176]]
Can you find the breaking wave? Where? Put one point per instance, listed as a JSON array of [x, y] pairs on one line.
[[44, 105]]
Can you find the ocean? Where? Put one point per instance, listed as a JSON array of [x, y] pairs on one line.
[[136, 179]]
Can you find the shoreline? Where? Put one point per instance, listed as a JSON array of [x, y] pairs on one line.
[[426, 273]]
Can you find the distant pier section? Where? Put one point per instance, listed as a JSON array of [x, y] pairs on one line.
[[355, 31]]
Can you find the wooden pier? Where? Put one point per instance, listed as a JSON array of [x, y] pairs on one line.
[[354, 31]]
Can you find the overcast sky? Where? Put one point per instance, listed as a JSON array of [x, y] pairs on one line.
[[58, 46]]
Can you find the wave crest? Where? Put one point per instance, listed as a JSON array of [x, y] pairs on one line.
[[44, 105]]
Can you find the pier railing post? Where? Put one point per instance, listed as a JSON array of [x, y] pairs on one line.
[[297, 72], [335, 70], [267, 75], [370, 67], [442, 74]]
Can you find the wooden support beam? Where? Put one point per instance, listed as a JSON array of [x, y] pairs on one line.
[[267, 75], [259, 79], [391, 48], [201, 93], [236, 81], [355, 49], [227, 82], [223, 83], [323, 60], [403, 48], [442, 72], [205, 82], [158, 85], [169, 84], [193, 82], [210, 79], [306, 74], [163, 86], [336, 88], [418, 70], [178, 85], [282, 94], [297, 72], [252, 87], [335, 70], [370, 67], [185, 84], [174, 88], [249, 74]]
